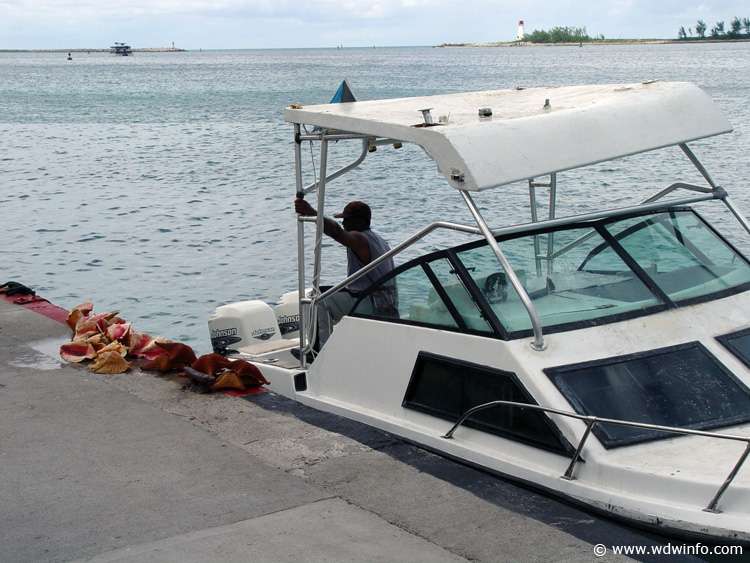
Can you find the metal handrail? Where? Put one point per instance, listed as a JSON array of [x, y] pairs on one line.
[[422, 233], [315, 299], [617, 212], [592, 420], [338, 173]]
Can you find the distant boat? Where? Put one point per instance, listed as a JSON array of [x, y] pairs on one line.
[[121, 49]]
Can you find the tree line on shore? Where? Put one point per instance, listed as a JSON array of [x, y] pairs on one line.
[[738, 28], [561, 35]]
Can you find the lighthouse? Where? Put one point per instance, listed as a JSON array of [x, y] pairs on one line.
[[521, 32]]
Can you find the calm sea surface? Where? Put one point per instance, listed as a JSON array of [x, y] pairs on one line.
[[161, 185]]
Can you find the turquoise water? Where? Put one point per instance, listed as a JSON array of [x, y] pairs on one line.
[[161, 185]]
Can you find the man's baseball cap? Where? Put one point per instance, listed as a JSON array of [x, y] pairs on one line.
[[355, 210]]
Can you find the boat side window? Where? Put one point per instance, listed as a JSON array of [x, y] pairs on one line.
[[429, 293], [446, 388], [459, 296], [682, 255], [738, 343], [549, 266], [683, 386], [417, 299]]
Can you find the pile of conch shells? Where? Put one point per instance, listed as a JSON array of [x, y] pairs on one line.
[[108, 341]]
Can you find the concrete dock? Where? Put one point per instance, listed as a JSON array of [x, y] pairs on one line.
[[133, 468]]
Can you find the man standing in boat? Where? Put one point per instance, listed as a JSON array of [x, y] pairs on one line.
[[363, 245]]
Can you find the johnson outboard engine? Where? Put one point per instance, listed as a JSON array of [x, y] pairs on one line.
[[247, 323]]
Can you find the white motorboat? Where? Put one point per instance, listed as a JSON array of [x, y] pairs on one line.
[[602, 357]]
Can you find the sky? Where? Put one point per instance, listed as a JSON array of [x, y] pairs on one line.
[[258, 24]]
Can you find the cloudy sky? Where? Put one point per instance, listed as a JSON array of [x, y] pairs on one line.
[[240, 24]]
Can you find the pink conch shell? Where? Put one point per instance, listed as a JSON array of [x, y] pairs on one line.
[[102, 320], [77, 351], [78, 312], [118, 331], [114, 321], [110, 362], [85, 327], [175, 356], [137, 343], [152, 350], [85, 334]]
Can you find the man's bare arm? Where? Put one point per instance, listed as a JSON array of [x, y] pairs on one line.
[[350, 239]]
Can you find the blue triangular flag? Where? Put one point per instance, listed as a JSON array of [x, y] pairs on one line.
[[344, 94]]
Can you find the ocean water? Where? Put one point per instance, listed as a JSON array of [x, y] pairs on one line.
[[161, 185]]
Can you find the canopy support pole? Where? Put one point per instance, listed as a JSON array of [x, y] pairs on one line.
[[552, 185], [538, 342], [300, 238], [306, 340], [697, 163], [721, 192]]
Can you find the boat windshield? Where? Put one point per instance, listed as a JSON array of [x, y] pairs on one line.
[[576, 276]]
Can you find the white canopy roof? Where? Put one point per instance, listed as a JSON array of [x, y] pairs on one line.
[[526, 138]]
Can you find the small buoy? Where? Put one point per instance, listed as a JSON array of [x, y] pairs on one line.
[[70, 58]]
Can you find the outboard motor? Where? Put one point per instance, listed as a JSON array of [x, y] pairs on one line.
[[242, 324], [246, 323], [287, 315]]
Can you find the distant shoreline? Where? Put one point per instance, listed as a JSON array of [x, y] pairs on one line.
[[593, 42], [98, 50]]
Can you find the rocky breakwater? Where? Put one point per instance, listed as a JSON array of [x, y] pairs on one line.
[[97, 50]]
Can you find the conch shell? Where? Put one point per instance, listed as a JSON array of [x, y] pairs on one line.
[[77, 351], [114, 346], [212, 364], [228, 380], [110, 362], [175, 356], [249, 373], [79, 312]]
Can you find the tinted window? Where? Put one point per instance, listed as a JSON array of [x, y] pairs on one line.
[[738, 343], [447, 388], [684, 386]]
